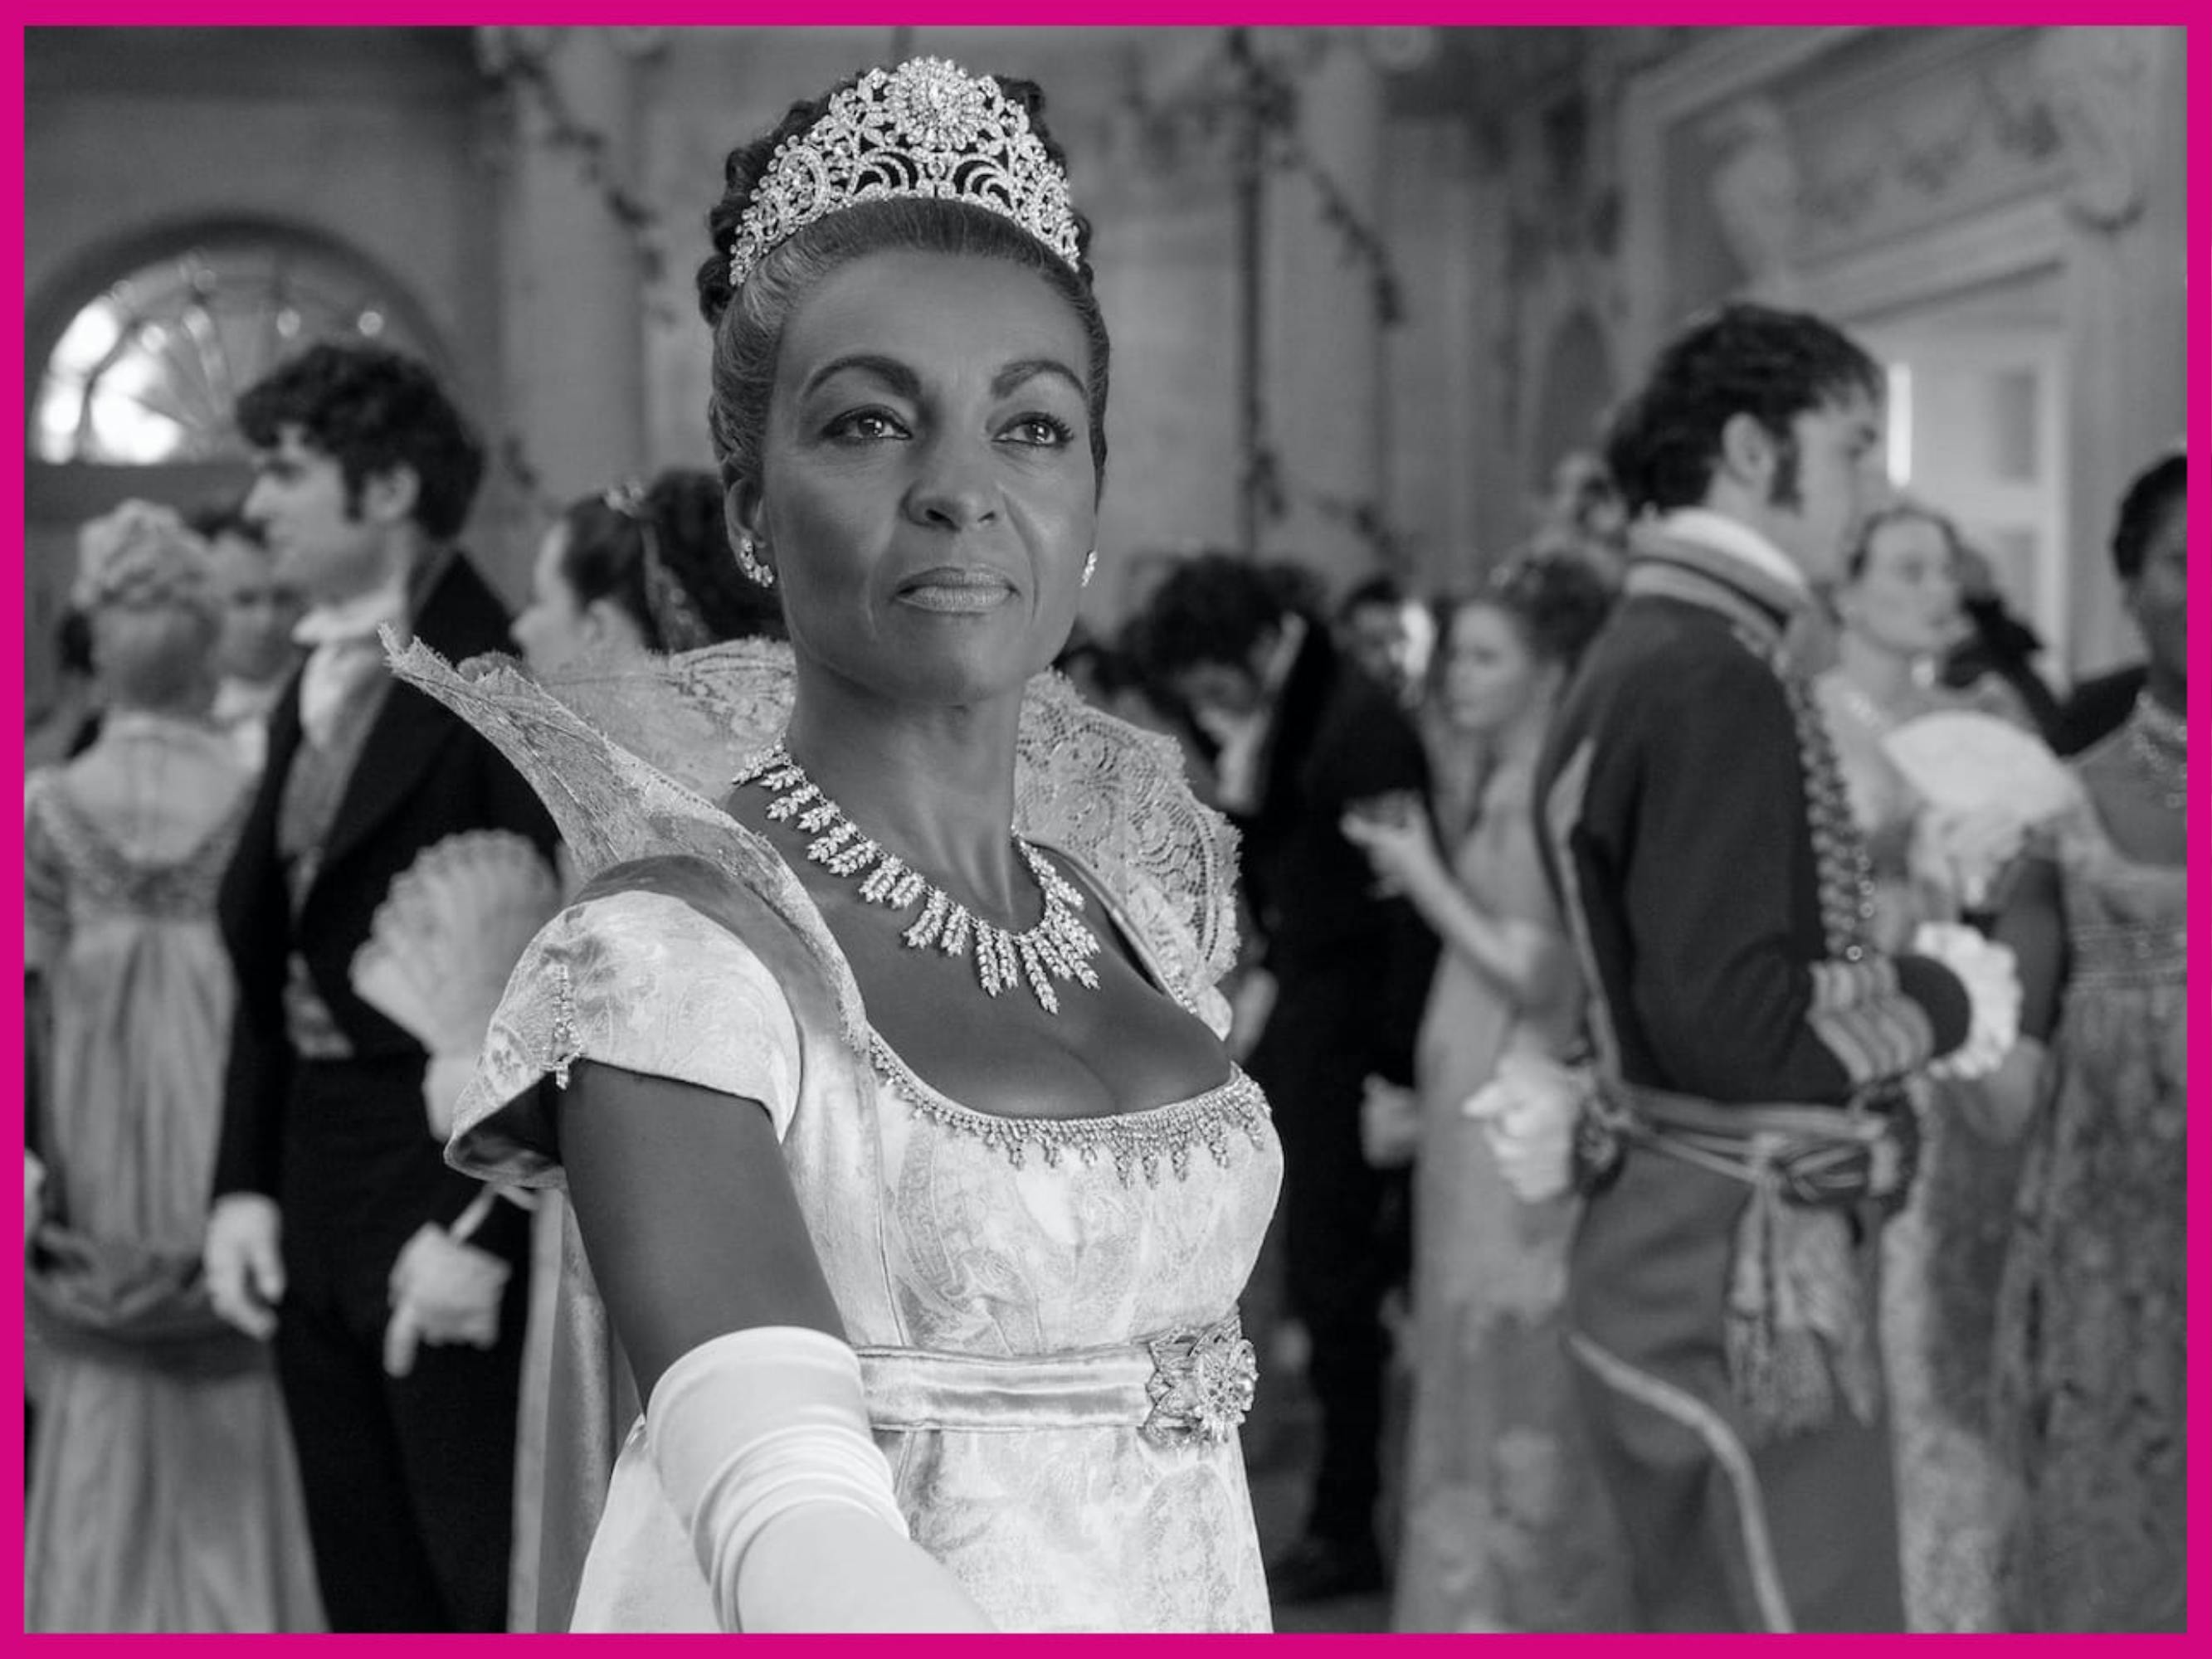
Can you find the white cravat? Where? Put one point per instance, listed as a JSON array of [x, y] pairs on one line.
[[345, 654], [1734, 536], [241, 712]]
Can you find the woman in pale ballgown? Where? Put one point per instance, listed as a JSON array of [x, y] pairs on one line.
[[909, 1174], [1506, 1524], [635, 570], [2091, 1402], [1897, 608], [163, 1496]]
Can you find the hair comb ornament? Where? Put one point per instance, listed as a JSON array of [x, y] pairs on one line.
[[675, 618], [140, 554], [927, 129], [627, 498]]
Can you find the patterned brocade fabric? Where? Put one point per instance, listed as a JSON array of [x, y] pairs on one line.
[[637, 980], [941, 1230], [2091, 1399]]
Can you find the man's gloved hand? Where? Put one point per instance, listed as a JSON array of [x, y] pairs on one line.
[[441, 1292]]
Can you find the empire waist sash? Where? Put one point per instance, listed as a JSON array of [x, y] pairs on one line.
[[1190, 1384]]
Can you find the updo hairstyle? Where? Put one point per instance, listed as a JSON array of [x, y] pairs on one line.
[[1555, 599], [143, 584], [605, 552]]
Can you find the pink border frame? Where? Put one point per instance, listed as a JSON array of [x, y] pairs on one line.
[[27, 13]]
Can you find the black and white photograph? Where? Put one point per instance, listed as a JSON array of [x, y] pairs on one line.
[[1105, 829]]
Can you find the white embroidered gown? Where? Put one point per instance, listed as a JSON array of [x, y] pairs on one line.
[[1002, 1278]]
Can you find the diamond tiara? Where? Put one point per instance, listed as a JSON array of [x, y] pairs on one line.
[[927, 130]]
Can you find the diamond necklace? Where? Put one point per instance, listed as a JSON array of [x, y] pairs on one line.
[[1059, 946], [2160, 739]]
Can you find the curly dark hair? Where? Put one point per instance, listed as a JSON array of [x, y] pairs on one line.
[[2159, 486], [748, 322], [1214, 607], [370, 410], [604, 557], [1662, 442], [1556, 598], [1382, 589], [226, 517]]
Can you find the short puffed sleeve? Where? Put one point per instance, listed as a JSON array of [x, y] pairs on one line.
[[637, 979]]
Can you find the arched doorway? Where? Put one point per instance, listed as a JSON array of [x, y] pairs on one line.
[[134, 359]]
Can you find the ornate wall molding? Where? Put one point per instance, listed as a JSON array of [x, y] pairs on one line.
[[2100, 89], [2002, 243], [1918, 132], [1656, 103], [522, 63], [1756, 188]]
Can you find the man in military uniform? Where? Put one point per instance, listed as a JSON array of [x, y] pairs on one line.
[[1750, 1041]]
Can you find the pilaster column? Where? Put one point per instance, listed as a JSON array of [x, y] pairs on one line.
[[1323, 342], [2120, 98], [574, 340]]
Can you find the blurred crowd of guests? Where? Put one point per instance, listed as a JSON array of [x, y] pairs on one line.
[[1380, 755], [227, 782], [276, 1345]]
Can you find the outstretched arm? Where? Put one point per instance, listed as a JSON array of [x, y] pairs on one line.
[[754, 1412]]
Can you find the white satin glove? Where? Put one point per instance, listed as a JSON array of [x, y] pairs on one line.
[[34, 1187], [1389, 1125], [443, 1079], [442, 1292], [1528, 1110], [761, 1440], [243, 1261], [1991, 977]]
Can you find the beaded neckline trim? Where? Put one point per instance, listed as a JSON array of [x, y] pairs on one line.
[[1138, 1142]]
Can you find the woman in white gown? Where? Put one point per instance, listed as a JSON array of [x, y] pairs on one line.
[[163, 1493], [923, 1259]]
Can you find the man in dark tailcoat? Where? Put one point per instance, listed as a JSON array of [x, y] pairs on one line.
[[332, 1192], [1304, 735]]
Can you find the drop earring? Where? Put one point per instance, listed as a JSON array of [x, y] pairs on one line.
[[1090, 566], [751, 565]]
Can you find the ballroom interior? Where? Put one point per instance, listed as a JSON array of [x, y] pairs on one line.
[[1366, 287]]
